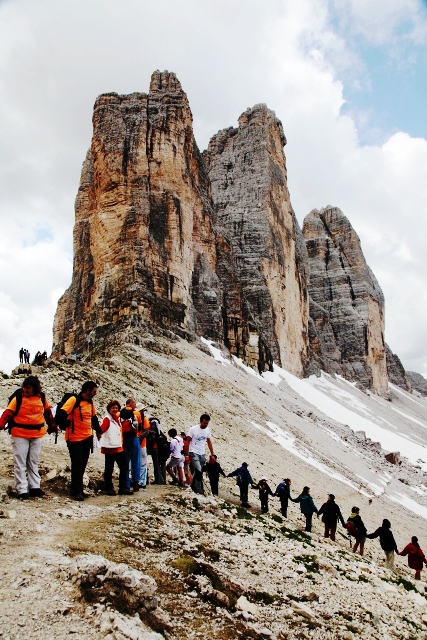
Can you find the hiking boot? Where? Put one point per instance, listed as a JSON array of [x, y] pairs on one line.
[[111, 492], [136, 486], [79, 497], [125, 492], [36, 493], [23, 496]]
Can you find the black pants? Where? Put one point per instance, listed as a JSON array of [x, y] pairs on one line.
[[158, 478], [79, 455], [264, 504], [110, 459], [244, 493], [214, 485], [308, 519], [284, 506]]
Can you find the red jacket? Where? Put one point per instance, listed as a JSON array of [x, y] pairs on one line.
[[416, 558]]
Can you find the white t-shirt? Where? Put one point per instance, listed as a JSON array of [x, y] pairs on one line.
[[176, 447], [198, 439]]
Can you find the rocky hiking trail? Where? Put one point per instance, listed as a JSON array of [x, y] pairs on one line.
[[208, 568]]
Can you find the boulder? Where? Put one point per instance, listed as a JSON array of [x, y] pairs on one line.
[[393, 457], [243, 604]]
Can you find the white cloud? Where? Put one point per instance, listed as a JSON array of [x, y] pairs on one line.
[[55, 58]]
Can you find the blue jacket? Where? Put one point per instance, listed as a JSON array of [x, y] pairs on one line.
[[244, 475], [307, 505], [283, 490]]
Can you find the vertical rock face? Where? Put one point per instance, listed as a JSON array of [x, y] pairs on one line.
[[247, 171], [346, 303], [396, 372], [143, 235]]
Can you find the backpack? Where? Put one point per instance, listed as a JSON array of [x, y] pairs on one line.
[[352, 529], [19, 395], [128, 419], [63, 421], [152, 436]]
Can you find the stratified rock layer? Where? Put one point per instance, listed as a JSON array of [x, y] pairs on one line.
[[247, 170], [145, 247], [346, 303]]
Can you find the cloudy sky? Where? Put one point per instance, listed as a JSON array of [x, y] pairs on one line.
[[348, 79]]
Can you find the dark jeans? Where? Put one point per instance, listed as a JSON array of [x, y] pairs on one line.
[[110, 459], [133, 456], [264, 504], [214, 485], [79, 454], [244, 493], [158, 477], [330, 529], [308, 519], [284, 506]]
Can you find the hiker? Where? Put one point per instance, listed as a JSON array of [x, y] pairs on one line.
[[26, 414], [263, 491], [416, 558], [307, 506], [153, 450], [357, 529], [387, 542], [331, 513], [21, 355], [283, 492], [111, 441], [145, 429], [187, 461], [199, 435], [213, 470], [176, 461], [79, 415], [244, 479], [131, 424]]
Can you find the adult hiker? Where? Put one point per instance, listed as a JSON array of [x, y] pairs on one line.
[[244, 479], [283, 492], [331, 513], [111, 441], [176, 460], [263, 491], [78, 413], [357, 529], [387, 542], [199, 435], [416, 557], [153, 450], [26, 414], [145, 430], [307, 506], [131, 425], [213, 470], [21, 355]]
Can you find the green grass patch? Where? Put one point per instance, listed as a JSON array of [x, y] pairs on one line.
[[243, 514], [309, 562], [276, 518], [298, 535]]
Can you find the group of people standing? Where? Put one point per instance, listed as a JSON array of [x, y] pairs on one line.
[[24, 356], [127, 437]]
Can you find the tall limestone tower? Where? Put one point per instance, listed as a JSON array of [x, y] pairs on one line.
[[149, 245]]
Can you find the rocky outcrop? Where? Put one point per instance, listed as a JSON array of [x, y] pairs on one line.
[[396, 372], [247, 171], [145, 246], [418, 382], [346, 303], [148, 245]]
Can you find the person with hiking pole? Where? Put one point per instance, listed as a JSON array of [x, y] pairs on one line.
[[357, 529]]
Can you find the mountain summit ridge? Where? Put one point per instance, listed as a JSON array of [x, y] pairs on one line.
[[209, 245]]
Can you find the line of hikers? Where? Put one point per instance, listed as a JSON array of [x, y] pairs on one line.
[[126, 437]]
